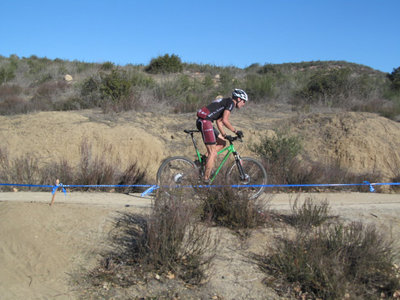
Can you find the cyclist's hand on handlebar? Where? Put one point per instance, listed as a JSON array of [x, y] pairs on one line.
[[239, 133]]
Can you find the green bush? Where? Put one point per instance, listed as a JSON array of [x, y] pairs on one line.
[[259, 88], [89, 94], [395, 78], [115, 85], [278, 154], [324, 86], [141, 80], [185, 93], [227, 82], [37, 65], [278, 148], [165, 64], [269, 69], [89, 86], [107, 66], [6, 74]]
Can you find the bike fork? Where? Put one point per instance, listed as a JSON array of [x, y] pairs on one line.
[[240, 167]]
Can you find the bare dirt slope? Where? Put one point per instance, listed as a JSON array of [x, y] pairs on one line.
[[361, 142]]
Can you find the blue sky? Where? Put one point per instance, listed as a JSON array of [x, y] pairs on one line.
[[217, 32]]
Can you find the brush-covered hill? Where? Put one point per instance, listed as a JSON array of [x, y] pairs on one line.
[[68, 112], [361, 143], [41, 84]]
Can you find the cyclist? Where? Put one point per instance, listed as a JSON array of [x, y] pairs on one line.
[[219, 110]]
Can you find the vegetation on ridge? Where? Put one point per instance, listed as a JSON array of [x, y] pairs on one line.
[[40, 84]]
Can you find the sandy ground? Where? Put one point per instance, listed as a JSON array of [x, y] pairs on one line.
[[42, 247]]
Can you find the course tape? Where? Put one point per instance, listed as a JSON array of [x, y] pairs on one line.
[[152, 187]]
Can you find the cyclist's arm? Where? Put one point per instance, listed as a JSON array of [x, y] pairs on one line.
[[225, 121], [220, 127]]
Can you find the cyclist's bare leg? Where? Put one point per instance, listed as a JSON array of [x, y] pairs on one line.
[[211, 156], [221, 143]]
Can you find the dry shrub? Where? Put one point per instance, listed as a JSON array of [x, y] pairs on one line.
[[308, 172], [5, 168], [226, 207], [126, 103], [91, 170], [169, 242], [308, 214], [177, 240], [394, 165], [49, 88], [24, 169], [132, 175], [61, 170], [384, 107], [105, 169], [94, 169], [7, 90], [396, 188], [13, 105], [332, 261]]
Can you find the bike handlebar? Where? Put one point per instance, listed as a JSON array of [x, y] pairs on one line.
[[233, 138]]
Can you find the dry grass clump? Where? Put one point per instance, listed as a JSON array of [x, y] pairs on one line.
[[332, 261], [21, 170], [308, 214], [92, 169]]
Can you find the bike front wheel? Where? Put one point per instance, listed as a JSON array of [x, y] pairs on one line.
[[253, 179], [177, 173]]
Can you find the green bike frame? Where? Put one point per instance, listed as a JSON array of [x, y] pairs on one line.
[[229, 149]]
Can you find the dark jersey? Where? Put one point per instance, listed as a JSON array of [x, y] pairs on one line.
[[217, 108]]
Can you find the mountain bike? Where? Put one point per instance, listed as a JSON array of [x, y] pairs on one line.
[[245, 173]]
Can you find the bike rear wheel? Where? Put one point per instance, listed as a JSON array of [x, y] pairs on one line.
[[177, 173], [255, 177]]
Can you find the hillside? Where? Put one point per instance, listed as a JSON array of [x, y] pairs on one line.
[[40, 84], [362, 143], [54, 110]]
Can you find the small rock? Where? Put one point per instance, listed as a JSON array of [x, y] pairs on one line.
[[106, 286]]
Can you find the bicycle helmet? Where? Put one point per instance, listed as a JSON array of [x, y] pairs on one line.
[[238, 93]]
